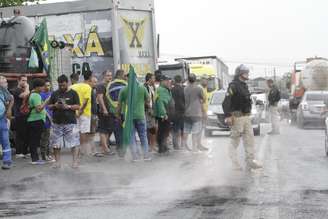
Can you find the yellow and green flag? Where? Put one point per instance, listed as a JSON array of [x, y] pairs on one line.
[[40, 39]]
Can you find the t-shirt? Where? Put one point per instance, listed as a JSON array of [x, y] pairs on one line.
[[139, 100], [179, 100], [44, 97], [61, 116], [34, 101], [17, 101], [84, 92], [194, 98], [101, 89]]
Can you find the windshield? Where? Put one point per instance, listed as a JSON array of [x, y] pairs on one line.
[[171, 73], [217, 98]]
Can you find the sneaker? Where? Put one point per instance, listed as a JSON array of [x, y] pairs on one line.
[[255, 165], [27, 156], [5, 166], [98, 154], [147, 159], [38, 162], [19, 156], [109, 153], [202, 148], [49, 159], [135, 160]]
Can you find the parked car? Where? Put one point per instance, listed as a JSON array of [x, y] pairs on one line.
[[216, 119], [262, 105], [310, 110]]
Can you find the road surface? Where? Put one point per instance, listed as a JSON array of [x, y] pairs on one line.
[[292, 184]]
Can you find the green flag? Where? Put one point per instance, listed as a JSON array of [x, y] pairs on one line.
[[128, 116], [41, 40]]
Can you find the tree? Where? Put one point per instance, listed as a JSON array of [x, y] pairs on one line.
[[7, 3]]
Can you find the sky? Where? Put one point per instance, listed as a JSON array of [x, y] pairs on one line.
[[264, 34]]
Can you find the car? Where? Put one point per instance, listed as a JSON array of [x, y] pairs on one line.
[[262, 105], [310, 110], [215, 115]]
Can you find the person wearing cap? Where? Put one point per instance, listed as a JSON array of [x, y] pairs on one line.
[[163, 106], [274, 98], [237, 107]]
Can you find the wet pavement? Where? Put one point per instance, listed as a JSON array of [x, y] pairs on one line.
[[292, 184]]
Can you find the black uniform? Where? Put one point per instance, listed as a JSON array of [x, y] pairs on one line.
[[274, 96], [238, 98]]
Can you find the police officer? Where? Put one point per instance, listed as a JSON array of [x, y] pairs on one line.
[[237, 107], [274, 98]]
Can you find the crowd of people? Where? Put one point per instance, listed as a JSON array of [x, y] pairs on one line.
[[38, 122]]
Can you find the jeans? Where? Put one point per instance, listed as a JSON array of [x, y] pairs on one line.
[[139, 125], [4, 140], [35, 130], [162, 135], [117, 128], [178, 124], [44, 142], [21, 134]]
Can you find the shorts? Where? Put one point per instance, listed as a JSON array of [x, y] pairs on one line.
[[64, 136], [106, 124], [84, 124], [192, 127]]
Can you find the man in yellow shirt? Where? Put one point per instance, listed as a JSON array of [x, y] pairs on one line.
[[84, 91]]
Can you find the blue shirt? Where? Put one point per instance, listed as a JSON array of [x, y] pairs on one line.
[[44, 96]]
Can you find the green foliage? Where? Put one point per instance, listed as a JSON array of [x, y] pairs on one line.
[[7, 3]]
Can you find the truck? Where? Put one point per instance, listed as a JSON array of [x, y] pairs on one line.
[[171, 69], [211, 67], [308, 76], [104, 35]]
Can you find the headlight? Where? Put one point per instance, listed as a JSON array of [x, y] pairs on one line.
[[210, 113]]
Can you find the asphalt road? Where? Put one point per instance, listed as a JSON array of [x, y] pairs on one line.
[[292, 184]]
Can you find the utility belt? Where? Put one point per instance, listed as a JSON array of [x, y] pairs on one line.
[[240, 114]]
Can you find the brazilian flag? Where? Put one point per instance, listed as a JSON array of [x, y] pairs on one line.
[[128, 116], [40, 39]]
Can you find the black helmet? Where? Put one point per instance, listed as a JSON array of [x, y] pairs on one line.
[[241, 69]]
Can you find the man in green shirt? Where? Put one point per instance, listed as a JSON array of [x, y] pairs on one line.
[[163, 103], [36, 119], [141, 97]]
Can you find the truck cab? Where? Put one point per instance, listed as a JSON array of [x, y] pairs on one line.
[[176, 68]]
